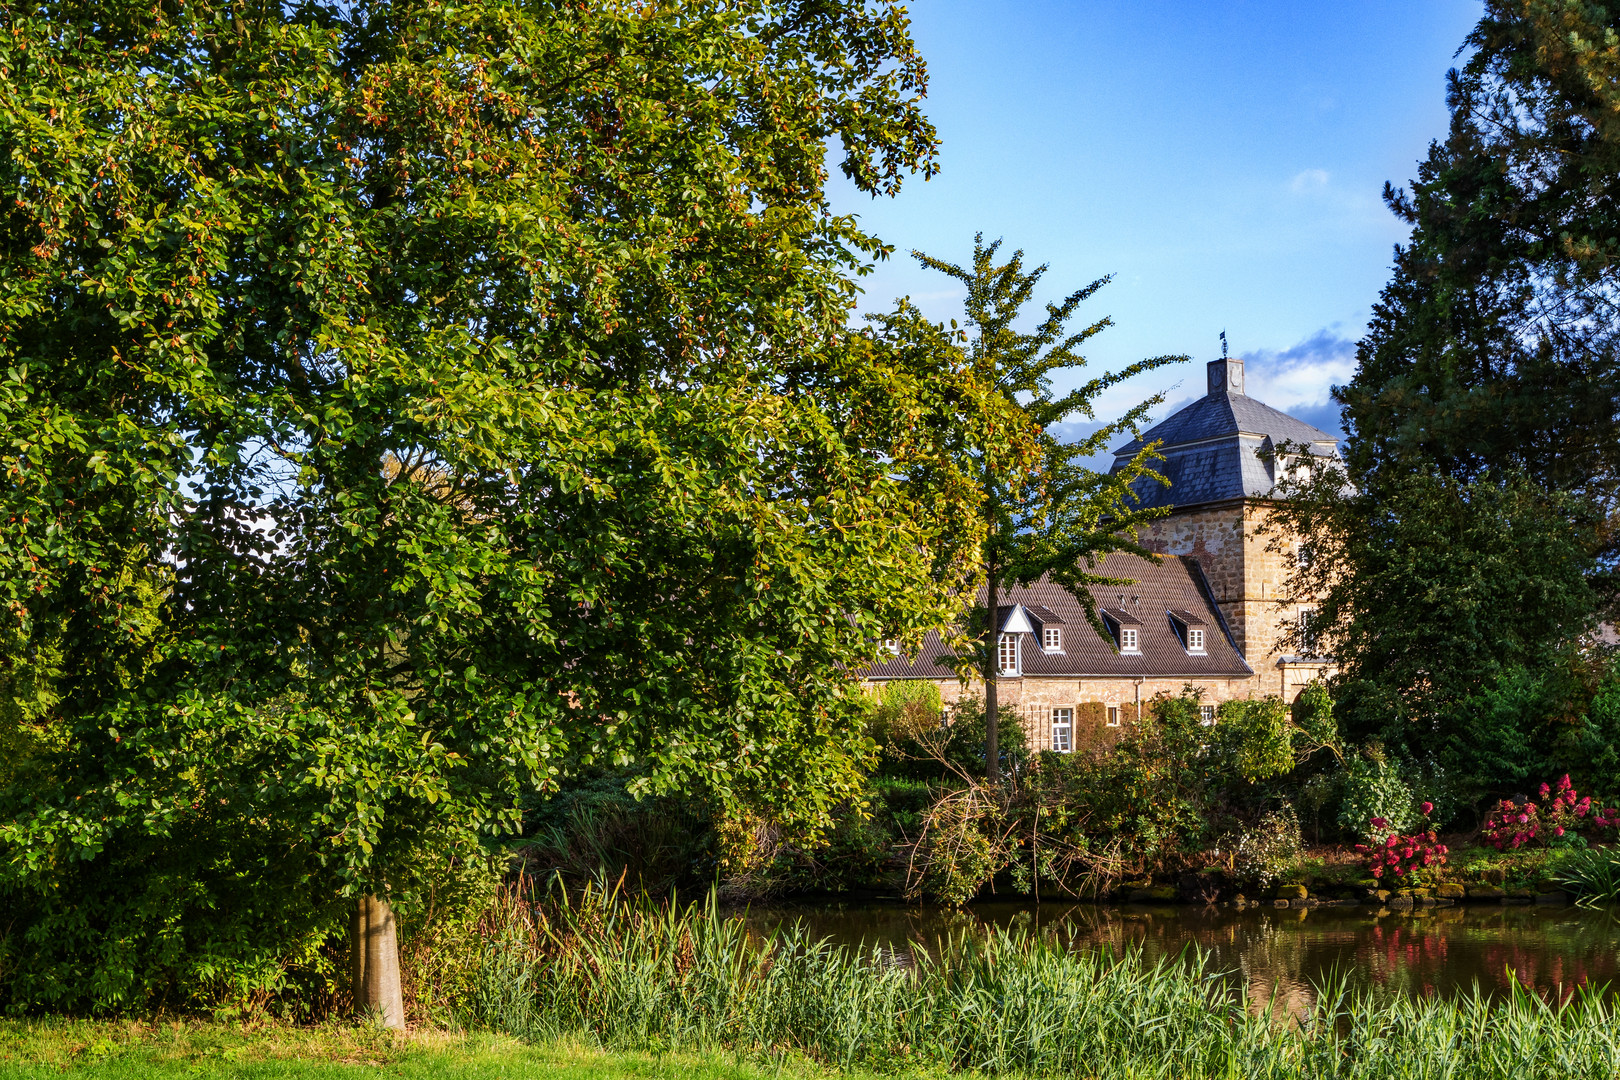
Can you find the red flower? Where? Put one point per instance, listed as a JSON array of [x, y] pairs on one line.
[[1428, 808]]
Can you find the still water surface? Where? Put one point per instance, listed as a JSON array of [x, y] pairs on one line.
[[1433, 951]]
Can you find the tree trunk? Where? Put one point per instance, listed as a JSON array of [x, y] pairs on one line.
[[376, 963], [992, 752]]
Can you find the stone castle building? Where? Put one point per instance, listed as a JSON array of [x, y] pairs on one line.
[[1214, 613]]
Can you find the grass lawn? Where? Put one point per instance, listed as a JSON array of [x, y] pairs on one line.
[[134, 1051]]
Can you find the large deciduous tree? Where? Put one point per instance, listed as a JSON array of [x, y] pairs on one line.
[[1045, 511], [407, 403]]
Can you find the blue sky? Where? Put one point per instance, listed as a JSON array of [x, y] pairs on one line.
[[1223, 161]]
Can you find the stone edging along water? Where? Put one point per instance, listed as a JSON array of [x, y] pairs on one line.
[[1299, 897]]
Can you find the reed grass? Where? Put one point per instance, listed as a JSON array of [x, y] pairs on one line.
[[1593, 875], [1003, 1002]]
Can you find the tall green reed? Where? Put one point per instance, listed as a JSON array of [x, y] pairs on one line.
[[640, 975], [1593, 874]]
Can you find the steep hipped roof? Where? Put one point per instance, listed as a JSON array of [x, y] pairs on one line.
[[1218, 447], [1175, 585]]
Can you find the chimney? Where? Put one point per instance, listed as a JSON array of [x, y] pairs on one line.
[[1225, 376]]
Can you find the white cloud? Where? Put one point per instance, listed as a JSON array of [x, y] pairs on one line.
[[1309, 180], [1298, 380]]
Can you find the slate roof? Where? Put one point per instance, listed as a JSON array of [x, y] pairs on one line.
[[1217, 448], [1175, 585]]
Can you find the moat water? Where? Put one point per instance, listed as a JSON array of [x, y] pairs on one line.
[[1281, 955]]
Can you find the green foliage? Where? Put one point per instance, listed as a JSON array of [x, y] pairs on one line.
[[1044, 509], [594, 829], [905, 716], [1312, 716], [1593, 874], [1493, 346], [1373, 788], [964, 746], [1456, 612], [407, 406], [1266, 852], [1255, 737], [1471, 552], [1004, 1002], [1060, 516]]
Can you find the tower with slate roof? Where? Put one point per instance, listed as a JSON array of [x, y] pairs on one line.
[[1222, 458]]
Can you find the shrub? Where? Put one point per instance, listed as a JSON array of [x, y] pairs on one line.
[[1412, 858], [1374, 791], [1561, 818], [1266, 852]]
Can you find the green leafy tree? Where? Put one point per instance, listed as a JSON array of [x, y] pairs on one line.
[[1437, 596], [406, 405], [1045, 511]]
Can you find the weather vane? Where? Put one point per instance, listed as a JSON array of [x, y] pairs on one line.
[[1223, 344]]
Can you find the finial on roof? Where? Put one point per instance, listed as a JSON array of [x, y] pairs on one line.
[[1223, 344]]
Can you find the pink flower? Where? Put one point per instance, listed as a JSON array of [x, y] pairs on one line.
[[1545, 790], [1428, 808], [1378, 822], [1558, 831], [1523, 818]]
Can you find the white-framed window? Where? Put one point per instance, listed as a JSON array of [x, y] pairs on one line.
[[1307, 631], [1052, 638], [1128, 639], [892, 645], [1007, 655], [1195, 639], [1113, 716], [1302, 555], [1206, 715], [1063, 730]]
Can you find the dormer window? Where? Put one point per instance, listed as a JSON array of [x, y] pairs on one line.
[[1191, 629], [1052, 638], [1127, 629], [1007, 655], [891, 645]]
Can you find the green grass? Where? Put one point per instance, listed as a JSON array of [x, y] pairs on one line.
[[1002, 1003], [122, 1051]]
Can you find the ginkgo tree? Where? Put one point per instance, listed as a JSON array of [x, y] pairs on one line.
[[405, 404], [1050, 512]]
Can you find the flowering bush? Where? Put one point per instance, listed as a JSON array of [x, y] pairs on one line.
[[1562, 816], [1407, 857], [1374, 791]]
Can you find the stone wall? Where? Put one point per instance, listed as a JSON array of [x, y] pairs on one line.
[[1248, 572], [1034, 697]]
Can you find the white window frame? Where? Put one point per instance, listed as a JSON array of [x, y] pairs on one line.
[[1052, 638], [1206, 715], [1113, 716], [1129, 640], [1307, 635], [1009, 648], [1063, 729], [892, 645], [1195, 639]]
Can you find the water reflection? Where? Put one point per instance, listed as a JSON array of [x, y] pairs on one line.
[[1281, 954]]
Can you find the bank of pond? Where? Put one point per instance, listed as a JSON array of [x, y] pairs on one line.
[[1070, 989]]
